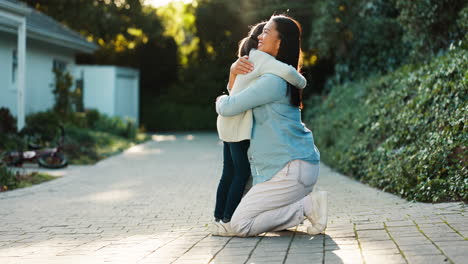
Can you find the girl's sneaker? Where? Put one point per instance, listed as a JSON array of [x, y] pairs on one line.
[[222, 229]]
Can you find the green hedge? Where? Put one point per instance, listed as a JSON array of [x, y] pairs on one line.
[[170, 116], [45, 124], [403, 132]]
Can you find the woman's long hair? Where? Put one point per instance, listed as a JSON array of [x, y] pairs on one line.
[[289, 52], [251, 41]]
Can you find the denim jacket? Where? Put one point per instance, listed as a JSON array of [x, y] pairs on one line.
[[278, 134]]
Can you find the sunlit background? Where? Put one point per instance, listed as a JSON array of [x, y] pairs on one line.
[[159, 3]]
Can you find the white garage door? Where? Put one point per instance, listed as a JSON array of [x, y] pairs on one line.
[[125, 104]]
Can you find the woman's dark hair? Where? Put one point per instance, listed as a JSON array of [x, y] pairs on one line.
[[251, 41], [289, 52]]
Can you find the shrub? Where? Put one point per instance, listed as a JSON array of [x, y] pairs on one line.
[[62, 92], [170, 116], [116, 125], [7, 121], [404, 132], [92, 116], [77, 119], [8, 179], [80, 145], [361, 38], [43, 125], [431, 25]]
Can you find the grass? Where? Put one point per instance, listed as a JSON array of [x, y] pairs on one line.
[[23, 180], [33, 178], [84, 147]]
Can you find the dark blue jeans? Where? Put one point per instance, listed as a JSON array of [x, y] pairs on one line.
[[236, 172]]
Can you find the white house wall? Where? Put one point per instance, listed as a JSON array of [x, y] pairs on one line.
[[8, 96], [40, 80], [39, 76]]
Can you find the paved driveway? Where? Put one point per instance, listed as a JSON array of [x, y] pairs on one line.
[[153, 204]]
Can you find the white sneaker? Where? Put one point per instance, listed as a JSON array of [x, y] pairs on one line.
[[319, 215], [222, 229]]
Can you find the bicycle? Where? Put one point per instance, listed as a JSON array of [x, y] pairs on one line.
[[51, 158]]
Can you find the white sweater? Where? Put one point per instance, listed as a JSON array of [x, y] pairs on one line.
[[239, 127]]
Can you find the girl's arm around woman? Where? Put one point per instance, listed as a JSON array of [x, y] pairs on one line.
[[268, 88]]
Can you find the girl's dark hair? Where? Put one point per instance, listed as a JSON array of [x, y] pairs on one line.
[[251, 41], [289, 52]]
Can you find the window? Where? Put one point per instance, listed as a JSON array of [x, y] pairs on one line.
[[59, 65], [14, 67]]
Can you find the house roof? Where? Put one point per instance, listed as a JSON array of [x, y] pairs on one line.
[[44, 28]]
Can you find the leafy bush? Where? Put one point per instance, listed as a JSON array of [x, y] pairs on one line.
[[368, 37], [8, 179], [62, 92], [77, 119], [431, 25], [115, 125], [7, 121], [85, 146], [404, 132], [361, 38], [92, 116], [42, 125], [177, 116]]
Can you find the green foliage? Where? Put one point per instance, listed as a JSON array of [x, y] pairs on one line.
[[77, 97], [207, 46], [361, 38], [44, 126], [172, 116], [178, 19], [404, 132], [8, 179], [431, 25], [115, 125], [8, 138], [89, 136], [62, 92], [462, 21], [86, 146], [30, 179], [7, 121], [92, 116]]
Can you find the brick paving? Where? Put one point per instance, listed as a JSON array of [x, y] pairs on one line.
[[154, 202]]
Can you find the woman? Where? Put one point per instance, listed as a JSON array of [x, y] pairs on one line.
[[284, 160], [235, 131]]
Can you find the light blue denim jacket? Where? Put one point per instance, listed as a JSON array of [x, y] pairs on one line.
[[278, 134]]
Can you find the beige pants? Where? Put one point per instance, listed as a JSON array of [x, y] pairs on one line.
[[276, 204]]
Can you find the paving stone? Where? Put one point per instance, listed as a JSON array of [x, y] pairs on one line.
[[343, 256], [427, 259], [384, 258], [304, 258]]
